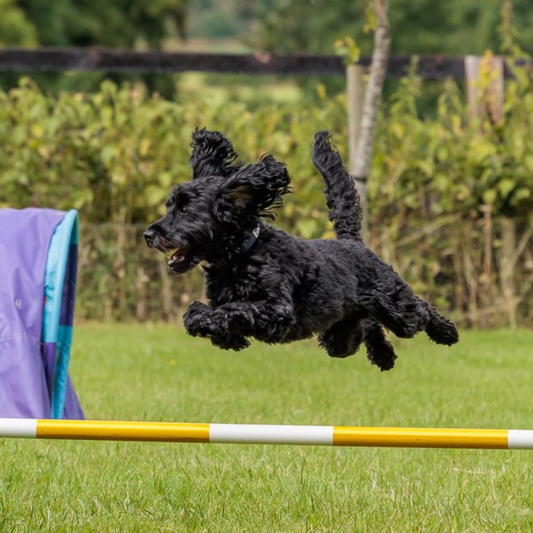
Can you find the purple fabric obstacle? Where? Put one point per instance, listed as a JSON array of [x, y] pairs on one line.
[[27, 363]]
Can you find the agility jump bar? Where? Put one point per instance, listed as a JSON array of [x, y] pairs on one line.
[[504, 439]]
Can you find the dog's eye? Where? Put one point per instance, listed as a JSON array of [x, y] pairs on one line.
[[183, 210]]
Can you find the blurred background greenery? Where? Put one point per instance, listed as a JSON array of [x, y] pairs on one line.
[[420, 26], [450, 198], [457, 27]]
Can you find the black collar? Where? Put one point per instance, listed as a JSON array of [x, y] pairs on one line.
[[248, 243]]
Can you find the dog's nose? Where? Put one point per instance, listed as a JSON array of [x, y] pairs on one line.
[[149, 235]]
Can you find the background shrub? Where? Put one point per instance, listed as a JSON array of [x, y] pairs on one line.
[[450, 201]]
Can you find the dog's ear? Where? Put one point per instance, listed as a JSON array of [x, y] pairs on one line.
[[212, 155], [258, 188]]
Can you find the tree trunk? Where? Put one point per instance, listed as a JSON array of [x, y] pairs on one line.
[[365, 145]]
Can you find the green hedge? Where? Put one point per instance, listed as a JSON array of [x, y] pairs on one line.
[[450, 201], [114, 155]]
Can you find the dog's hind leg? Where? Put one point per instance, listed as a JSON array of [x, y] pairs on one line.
[[379, 350], [439, 329], [405, 314], [341, 196], [393, 304], [343, 338]]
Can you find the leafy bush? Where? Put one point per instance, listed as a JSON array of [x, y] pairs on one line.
[[450, 201], [114, 155]]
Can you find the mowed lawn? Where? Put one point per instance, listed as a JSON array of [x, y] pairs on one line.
[[143, 372]]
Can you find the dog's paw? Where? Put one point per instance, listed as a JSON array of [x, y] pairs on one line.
[[198, 320], [196, 309], [235, 343], [200, 327], [234, 316]]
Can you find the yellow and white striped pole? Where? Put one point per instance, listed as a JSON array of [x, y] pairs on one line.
[[504, 439]]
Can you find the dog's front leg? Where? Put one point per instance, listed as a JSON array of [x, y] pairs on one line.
[[263, 320], [229, 324], [200, 320]]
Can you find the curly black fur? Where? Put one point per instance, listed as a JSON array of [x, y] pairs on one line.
[[212, 154], [275, 287]]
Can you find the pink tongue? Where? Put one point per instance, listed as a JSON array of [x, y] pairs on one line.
[[177, 256]]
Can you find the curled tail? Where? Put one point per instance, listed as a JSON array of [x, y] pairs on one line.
[[341, 195]]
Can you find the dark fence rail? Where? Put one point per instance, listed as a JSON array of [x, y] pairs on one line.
[[126, 61]]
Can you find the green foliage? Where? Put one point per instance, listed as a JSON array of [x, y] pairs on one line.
[[418, 26], [15, 29], [114, 154], [98, 22], [348, 48], [461, 166], [438, 189], [102, 23]]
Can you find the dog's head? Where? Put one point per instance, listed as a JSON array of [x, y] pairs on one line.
[[211, 217]]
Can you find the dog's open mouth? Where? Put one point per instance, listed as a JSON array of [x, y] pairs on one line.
[[177, 255]]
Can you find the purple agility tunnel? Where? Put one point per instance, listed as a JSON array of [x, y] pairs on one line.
[[38, 262]]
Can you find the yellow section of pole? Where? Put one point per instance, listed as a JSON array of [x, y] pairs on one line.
[[421, 437], [127, 431], [342, 435]]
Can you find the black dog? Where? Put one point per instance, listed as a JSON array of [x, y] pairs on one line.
[[265, 284]]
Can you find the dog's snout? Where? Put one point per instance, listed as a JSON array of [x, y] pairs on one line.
[[149, 236]]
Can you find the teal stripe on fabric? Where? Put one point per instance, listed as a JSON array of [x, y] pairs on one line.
[[64, 343], [64, 235]]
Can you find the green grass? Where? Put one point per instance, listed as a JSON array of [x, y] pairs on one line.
[[158, 373]]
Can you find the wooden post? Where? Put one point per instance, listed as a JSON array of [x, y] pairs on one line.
[[485, 94], [485, 89], [355, 88]]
